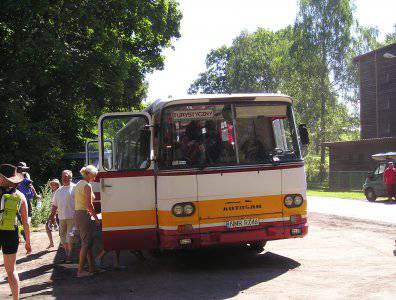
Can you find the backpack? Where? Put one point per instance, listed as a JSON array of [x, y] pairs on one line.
[[9, 209]]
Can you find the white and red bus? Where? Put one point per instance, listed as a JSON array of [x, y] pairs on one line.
[[200, 171]]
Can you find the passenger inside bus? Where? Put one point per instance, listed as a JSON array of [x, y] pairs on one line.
[[191, 147], [212, 143], [215, 135], [256, 140]]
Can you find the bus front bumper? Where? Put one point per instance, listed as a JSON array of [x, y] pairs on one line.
[[222, 238]]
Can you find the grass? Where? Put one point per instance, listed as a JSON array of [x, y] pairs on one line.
[[342, 195]]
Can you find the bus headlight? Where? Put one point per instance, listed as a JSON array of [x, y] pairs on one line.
[[293, 201], [183, 209], [298, 200], [188, 209], [177, 210], [289, 201]]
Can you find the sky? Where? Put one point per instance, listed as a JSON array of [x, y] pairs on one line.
[[209, 24]]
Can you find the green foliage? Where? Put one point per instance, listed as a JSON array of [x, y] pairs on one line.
[[391, 37], [64, 63], [325, 27], [311, 61], [43, 211], [270, 61], [312, 169]]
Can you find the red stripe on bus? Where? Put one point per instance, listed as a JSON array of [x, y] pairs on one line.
[[221, 171], [130, 239]]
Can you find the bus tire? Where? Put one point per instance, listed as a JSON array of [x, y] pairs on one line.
[[258, 246], [157, 253], [370, 194]]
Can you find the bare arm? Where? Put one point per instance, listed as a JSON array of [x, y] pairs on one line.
[[53, 213], [34, 190], [54, 208], [88, 202], [24, 218]]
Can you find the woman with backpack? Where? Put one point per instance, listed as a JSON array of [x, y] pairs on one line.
[[12, 203]]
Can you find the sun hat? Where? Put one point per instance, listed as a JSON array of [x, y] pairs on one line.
[[55, 180], [22, 166], [9, 172]]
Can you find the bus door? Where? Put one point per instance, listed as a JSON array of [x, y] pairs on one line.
[[127, 183]]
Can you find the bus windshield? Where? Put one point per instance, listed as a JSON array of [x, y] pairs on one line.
[[228, 134]]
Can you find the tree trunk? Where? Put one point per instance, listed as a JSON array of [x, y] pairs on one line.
[[322, 171]]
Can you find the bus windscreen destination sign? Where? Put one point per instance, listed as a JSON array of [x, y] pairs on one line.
[[186, 115]]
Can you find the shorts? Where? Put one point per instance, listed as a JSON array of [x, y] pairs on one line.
[[65, 230], [82, 220], [9, 241]]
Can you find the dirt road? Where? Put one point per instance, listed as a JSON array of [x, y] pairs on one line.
[[339, 258], [382, 210]]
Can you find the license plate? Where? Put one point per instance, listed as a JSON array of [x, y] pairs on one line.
[[242, 223]]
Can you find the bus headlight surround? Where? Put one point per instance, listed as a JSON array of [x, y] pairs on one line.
[[183, 209], [291, 201]]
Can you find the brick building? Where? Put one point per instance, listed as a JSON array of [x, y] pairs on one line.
[[350, 161]]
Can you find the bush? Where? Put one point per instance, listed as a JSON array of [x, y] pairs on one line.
[[42, 212], [312, 168]]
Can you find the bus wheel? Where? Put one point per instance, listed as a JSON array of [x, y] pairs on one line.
[[258, 246], [370, 195], [157, 253]]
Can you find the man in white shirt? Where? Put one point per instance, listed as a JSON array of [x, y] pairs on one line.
[[63, 203]]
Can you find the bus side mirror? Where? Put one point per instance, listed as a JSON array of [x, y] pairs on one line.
[[303, 132]]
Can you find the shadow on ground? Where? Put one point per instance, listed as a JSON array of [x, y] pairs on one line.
[[388, 202], [209, 273], [216, 273]]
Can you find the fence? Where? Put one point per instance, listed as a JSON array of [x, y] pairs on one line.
[[347, 180]]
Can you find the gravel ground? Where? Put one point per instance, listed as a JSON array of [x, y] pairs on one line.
[[340, 258]]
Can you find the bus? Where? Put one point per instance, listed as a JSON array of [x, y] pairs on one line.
[[202, 171]]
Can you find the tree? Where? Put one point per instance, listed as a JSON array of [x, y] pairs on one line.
[[65, 62], [266, 61], [391, 37], [214, 79], [325, 27]]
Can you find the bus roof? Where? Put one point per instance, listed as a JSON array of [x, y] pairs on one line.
[[161, 103]]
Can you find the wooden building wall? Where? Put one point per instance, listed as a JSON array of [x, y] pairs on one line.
[[350, 161], [377, 93]]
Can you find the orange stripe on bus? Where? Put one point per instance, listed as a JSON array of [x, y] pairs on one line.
[[210, 211]]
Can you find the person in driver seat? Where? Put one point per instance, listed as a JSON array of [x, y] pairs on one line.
[[252, 147], [192, 147]]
